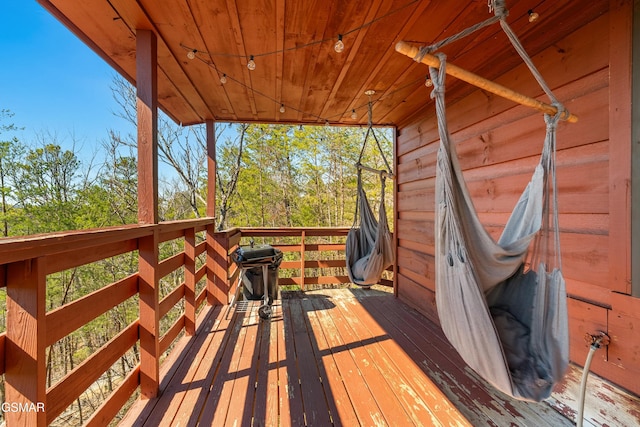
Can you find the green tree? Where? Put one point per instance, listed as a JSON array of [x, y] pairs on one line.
[[47, 187], [11, 151]]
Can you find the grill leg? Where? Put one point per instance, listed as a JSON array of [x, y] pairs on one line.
[[265, 309]]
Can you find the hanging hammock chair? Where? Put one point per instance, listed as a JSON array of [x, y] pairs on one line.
[[369, 247], [504, 310]]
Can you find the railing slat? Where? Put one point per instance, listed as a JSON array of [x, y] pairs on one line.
[[329, 263], [114, 403], [170, 265], [67, 390], [169, 301], [66, 319], [200, 273], [165, 236], [201, 297], [74, 258], [200, 248], [171, 334]]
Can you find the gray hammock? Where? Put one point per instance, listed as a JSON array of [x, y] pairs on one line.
[[369, 248], [505, 314]]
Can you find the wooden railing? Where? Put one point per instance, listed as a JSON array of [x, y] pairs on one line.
[[25, 264], [313, 256]]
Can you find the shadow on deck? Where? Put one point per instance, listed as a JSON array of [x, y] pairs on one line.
[[333, 357]]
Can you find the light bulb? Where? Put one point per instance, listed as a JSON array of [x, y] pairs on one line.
[[428, 82], [192, 54], [533, 16], [339, 46], [223, 79], [282, 109], [354, 116], [251, 64], [326, 123]]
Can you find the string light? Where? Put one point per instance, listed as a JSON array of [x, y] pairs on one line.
[[251, 65], [282, 109], [339, 46], [428, 82], [315, 42], [533, 16]]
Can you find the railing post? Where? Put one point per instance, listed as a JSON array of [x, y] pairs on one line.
[[25, 361], [190, 281], [148, 285], [217, 267], [303, 250]]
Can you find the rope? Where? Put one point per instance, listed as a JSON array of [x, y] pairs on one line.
[[500, 14], [464, 33], [371, 131]]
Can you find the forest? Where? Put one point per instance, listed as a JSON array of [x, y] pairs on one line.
[[268, 175]]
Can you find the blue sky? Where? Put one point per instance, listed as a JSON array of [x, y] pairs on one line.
[[51, 81]]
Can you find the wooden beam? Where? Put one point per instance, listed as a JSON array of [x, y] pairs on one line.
[[147, 107], [25, 360], [635, 155], [482, 83], [377, 171], [211, 168], [620, 145]]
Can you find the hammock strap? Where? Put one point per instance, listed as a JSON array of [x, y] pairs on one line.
[[371, 131], [462, 34], [550, 219], [358, 191]]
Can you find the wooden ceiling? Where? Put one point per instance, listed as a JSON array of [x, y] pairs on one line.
[[292, 42]]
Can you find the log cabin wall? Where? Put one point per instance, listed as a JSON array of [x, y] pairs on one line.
[[499, 145]]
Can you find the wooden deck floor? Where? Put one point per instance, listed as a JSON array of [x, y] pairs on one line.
[[336, 357]]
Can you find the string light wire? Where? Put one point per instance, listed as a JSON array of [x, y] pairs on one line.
[[197, 53], [311, 43]]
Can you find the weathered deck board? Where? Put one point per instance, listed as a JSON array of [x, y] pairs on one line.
[[338, 357]]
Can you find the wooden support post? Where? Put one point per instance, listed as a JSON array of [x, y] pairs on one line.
[[147, 107], [190, 281], [211, 168], [482, 83], [25, 360], [303, 249], [148, 284], [217, 267], [396, 212]]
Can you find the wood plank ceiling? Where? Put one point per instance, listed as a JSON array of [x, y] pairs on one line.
[[292, 42]]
